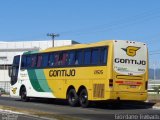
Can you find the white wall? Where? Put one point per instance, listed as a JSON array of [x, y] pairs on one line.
[[4, 75]]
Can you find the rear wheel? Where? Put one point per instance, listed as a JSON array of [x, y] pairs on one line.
[[72, 98], [24, 97], [83, 98]]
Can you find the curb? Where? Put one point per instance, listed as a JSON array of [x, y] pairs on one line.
[[156, 107]]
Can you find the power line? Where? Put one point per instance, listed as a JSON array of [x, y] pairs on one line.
[[105, 27], [154, 53]]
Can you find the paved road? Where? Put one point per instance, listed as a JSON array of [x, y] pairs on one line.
[[104, 111], [10, 115]]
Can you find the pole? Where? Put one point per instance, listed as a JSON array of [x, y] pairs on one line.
[[53, 35]]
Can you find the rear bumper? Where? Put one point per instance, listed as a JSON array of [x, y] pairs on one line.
[[119, 95], [137, 96]]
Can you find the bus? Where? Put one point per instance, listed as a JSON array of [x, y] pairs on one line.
[[81, 73]]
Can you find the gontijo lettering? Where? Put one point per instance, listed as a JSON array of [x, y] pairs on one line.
[[61, 73], [130, 61]]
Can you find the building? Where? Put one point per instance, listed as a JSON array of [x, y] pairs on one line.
[[9, 49]]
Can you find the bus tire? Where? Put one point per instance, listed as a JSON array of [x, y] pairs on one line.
[[72, 98], [83, 98], [24, 97]]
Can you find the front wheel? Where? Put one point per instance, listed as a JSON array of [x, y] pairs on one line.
[[24, 97], [83, 98]]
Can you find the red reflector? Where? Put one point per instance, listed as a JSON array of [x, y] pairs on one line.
[[119, 82], [139, 83], [129, 82]]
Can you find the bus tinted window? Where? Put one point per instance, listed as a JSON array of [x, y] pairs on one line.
[[60, 58], [95, 56], [23, 62], [39, 60], [103, 55], [51, 59], [65, 59], [78, 57], [71, 60], [16, 60], [81, 57], [33, 60], [87, 56], [44, 60], [56, 59], [28, 61]]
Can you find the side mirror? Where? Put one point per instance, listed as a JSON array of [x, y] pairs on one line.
[[10, 71]]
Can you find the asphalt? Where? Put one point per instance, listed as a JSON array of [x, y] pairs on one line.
[[59, 109]]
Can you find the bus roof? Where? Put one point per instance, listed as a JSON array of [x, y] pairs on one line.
[[78, 46]]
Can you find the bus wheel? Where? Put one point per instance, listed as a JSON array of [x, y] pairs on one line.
[[24, 97], [72, 98], [83, 98]]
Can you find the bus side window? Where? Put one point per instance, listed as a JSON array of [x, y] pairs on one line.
[[34, 60], [28, 61], [23, 63], [39, 60], [71, 59], [95, 56], [78, 57], [65, 58], [60, 58], [56, 58], [44, 60], [51, 59], [103, 55], [87, 56]]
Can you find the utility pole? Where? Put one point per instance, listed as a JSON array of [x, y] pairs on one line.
[[53, 35]]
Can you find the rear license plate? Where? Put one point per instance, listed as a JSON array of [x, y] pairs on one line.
[[132, 86]]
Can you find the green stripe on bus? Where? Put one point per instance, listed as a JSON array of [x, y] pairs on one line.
[[30, 52], [42, 80], [34, 81]]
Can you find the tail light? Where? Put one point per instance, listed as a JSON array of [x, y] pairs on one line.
[[146, 85], [110, 83]]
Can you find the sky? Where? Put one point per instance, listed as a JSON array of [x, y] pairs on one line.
[[84, 21]]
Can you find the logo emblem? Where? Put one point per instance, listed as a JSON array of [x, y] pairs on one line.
[[14, 90], [131, 50]]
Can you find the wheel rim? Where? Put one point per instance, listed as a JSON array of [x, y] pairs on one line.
[[84, 98], [72, 97]]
